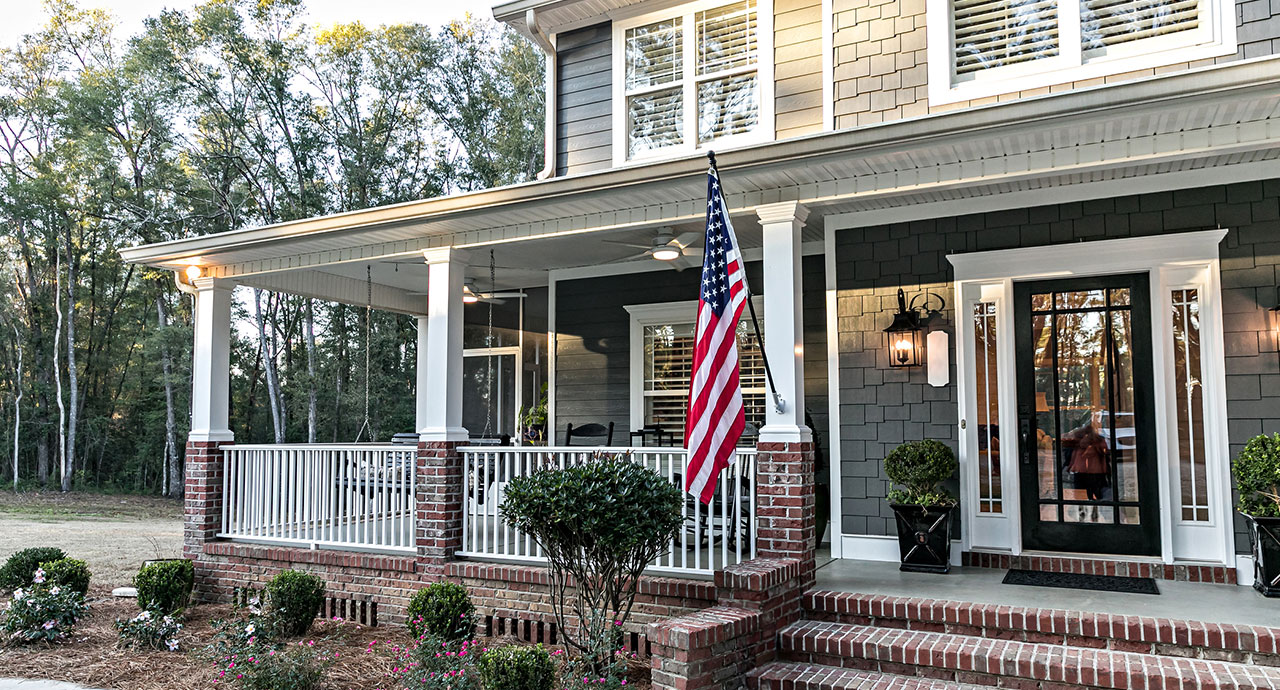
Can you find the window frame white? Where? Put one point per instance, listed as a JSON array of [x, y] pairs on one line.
[[764, 131], [658, 314], [1172, 261], [1216, 37]]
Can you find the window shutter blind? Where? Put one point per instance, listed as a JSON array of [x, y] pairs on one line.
[[669, 363], [1108, 23], [655, 120], [997, 33], [726, 37], [727, 107], [654, 54]]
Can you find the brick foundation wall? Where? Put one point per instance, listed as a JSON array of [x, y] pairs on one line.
[[202, 505], [438, 494], [785, 504]]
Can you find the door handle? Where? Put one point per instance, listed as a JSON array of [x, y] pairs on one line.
[[1024, 440]]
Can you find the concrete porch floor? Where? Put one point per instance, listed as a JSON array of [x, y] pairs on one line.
[[1194, 601]]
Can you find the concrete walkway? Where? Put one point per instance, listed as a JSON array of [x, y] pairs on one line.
[[20, 684]]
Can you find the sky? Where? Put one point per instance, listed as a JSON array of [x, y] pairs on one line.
[[24, 16]]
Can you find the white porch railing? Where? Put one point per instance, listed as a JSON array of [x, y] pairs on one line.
[[719, 534], [357, 497]]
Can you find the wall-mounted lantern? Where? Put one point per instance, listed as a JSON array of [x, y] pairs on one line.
[[903, 336], [1273, 317]]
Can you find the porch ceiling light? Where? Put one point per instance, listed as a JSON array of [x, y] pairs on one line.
[[666, 253], [194, 272], [903, 336], [468, 295]]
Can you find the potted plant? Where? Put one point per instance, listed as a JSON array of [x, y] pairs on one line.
[[921, 507], [1257, 473], [533, 421]]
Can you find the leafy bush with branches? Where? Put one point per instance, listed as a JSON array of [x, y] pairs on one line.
[[516, 667], [150, 629], [443, 610], [600, 523], [20, 568], [71, 573], [1257, 473], [293, 600], [919, 467], [42, 613], [165, 586]]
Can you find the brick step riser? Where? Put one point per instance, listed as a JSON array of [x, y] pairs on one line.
[[986, 680], [1086, 642]]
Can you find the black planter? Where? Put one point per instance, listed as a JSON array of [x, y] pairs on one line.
[[1264, 538], [924, 537]]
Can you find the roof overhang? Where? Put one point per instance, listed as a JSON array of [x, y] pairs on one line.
[[554, 16], [1217, 116]]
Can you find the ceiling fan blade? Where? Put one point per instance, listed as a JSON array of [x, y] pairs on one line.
[[501, 295], [693, 253], [686, 239], [626, 244]]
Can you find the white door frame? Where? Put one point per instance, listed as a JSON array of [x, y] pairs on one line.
[[1173, 261]]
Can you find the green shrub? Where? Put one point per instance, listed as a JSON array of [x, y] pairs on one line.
[[293, 600], [1257, 473], [435, 664], [70, 573], [443, 610], [294, 667], [150, 629], [919, 467], [21, 566], [600, 523], [517, 668], [247, 651], [42, 613], [165, 586]]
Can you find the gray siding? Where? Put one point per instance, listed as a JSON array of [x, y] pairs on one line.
[[593, 333], [881, 408], [583, 92]]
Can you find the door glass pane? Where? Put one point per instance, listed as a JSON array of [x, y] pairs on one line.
[[1083, 408], [489, 395], [1046, 419], [1189, 401], [1081, 299], [988, 407], [1118, 427]]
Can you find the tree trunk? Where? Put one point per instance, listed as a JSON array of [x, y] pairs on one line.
[[73, 377], [17, 406], [269, 367], [311, 371], [57, 377], [173, 469]]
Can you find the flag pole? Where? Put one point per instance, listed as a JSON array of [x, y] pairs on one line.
[[779, 404]]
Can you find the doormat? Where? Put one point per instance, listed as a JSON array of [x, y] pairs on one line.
[[1099, 583]]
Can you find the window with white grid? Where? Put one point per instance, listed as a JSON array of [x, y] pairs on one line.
[[982, 48], [692, 78]]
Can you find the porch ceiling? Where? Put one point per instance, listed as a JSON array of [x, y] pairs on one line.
[[1221, 117]]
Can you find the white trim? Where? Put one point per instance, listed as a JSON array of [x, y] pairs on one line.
[[1244, 569], [1173, 259], [750, 255], [516, 351], [1215, 38], [553, 355], [871, 547], [833, 391], [766, 126], [653, 314]]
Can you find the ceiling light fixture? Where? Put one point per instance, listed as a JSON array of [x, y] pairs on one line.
[[468, 295], [194, 272], [667, 253]]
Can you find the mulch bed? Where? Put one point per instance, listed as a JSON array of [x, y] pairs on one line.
[[90, 656]]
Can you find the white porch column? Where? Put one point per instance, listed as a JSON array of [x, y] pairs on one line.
[[783, 325], [211, 361], [440, 350]]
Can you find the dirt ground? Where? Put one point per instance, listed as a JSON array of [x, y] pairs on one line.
[[113, 534]]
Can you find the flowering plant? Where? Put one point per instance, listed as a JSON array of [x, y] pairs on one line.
[[438, 664], [152, 629], [42, 613]]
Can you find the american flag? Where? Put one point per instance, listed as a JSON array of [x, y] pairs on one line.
[[715, 420]]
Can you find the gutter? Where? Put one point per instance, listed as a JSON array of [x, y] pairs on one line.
[[550, 71], [1209, 84]]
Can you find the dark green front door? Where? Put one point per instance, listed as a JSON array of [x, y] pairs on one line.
[[1085, 415]]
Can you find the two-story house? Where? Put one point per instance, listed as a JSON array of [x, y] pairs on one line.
[[1080, 199]]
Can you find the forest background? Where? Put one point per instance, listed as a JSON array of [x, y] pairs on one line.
[[228, 115]]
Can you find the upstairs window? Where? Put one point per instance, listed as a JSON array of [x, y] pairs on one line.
[[690, 80], [982, 48]]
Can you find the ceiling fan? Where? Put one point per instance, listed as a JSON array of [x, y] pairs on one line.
[[470, 295], [665, 246]]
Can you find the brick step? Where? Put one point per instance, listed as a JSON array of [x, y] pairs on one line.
[[1162, 636], [784, 675], [1010, 663]]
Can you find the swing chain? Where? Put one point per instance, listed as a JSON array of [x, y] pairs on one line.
[[368, 318]]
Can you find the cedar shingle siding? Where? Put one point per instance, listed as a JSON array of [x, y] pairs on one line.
[[881, 408]]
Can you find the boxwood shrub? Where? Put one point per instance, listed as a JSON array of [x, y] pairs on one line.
[[293, 600], [441, 610], [165, 586], [919, 467], [69, 573], [1257, 473], [517, 667], [21, 566]]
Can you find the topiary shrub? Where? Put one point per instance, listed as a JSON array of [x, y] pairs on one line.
[[164, 587], [600, 523], [919, 467], [517, 668], [69, 573], [293, 600], [21, 566], [443, 610], [1257, 473]]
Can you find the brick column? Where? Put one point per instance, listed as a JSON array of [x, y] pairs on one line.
[[438, 495], [786, 525]]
